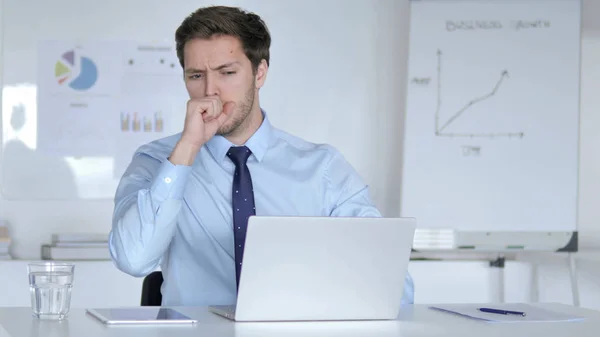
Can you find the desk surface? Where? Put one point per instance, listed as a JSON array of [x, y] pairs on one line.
[[415, 320]]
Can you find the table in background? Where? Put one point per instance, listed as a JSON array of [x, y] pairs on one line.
[[415, 320]]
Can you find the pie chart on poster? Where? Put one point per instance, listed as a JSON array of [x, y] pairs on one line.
[[66, 68]]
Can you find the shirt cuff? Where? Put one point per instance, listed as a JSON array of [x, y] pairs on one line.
[[170, 181]]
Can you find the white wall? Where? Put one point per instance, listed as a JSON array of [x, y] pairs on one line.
[[32, 221]]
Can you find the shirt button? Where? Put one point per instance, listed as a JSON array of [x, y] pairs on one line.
[[167, 180]]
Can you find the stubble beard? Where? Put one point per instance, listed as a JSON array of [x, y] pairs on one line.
[[240, 119]]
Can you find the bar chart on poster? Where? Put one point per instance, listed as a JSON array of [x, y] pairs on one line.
[[492, 120]]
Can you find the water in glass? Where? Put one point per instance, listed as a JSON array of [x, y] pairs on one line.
[[50, 286]]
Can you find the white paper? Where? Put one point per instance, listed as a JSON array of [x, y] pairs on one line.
[[141, 121], [152, 93], [533, 314], [107, 98], [77, 83], [76, 126]]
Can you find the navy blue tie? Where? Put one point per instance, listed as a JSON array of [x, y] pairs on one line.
[[242, 202]]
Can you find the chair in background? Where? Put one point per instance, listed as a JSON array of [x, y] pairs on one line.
[[151, 295]]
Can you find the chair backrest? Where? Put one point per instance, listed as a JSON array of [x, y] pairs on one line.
[[151, 295]]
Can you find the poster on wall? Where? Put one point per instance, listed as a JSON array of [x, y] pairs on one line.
[[106, 98], [141, 121], [152, 95], [76, 84]]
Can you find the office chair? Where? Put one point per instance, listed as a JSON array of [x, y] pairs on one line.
[[151, 295]]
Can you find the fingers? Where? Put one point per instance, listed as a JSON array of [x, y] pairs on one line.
[[227, 112], [216, 108], [208, 107], [212, 110]]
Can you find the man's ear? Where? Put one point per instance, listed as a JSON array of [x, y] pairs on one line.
[[261, 74]]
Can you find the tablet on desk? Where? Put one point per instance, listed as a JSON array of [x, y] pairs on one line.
[[142, 315]]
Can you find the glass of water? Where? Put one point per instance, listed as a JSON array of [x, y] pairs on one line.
[[50, 286]]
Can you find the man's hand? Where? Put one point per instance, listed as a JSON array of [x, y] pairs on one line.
[[203, 118]]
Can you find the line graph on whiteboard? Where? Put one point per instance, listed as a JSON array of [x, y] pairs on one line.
[[441, 126]]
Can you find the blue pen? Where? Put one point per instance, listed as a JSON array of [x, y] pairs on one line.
[[502, 312]]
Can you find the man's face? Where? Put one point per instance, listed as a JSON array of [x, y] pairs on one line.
[[219, 67]]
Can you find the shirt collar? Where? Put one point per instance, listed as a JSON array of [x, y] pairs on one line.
[[258, 142]]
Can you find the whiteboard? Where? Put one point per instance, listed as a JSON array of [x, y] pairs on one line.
[[492, 115]]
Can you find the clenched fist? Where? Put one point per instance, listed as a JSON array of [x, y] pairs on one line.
[[203, 119]]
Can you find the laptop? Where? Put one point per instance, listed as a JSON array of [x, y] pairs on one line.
[[322, 268]]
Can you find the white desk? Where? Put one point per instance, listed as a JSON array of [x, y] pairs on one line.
[[415, 320]]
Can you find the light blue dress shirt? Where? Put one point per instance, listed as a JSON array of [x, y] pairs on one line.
[[180, 217]]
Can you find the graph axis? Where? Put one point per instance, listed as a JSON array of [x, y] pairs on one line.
[[440, 130]]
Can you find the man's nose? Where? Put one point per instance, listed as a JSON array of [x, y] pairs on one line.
[[211, 86]]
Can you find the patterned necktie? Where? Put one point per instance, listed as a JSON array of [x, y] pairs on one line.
[[242, 202]]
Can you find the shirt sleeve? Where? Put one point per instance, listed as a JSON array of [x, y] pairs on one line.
[[348, 196], [147, 202]]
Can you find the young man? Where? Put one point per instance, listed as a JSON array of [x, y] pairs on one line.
[[184, 201]]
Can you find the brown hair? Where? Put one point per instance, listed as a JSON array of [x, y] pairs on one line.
[[207, 22]]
